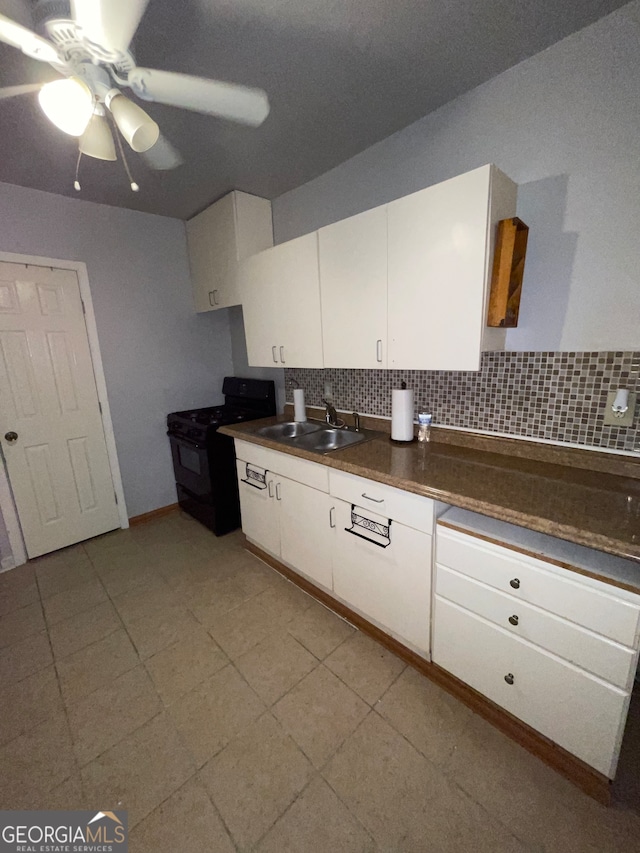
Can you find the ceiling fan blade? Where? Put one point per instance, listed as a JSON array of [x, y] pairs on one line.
[[25, 89], [213, 97], [109, 23], [162, 156], [27, 41]]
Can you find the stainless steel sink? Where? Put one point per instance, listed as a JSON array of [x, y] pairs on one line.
[[327, 439], [289, 429]]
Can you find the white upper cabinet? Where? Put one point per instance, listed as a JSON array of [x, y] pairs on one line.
[[231, 230], [440, 243], [280, 290], [353, 288], [401, 286]]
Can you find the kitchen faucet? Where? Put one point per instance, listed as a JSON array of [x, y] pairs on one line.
[[331, 416]]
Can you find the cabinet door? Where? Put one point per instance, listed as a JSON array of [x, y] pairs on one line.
[[298, 302], [437, 273], [221, 239], [392, 585], [353, 290], [305, 530], [200, 261], [259, 286], [259, 510], [280, 290]]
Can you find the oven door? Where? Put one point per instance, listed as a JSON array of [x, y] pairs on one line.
[[191, 466]]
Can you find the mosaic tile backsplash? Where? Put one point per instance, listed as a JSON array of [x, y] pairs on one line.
[[560, 396]]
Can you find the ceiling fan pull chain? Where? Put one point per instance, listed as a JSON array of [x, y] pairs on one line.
[[132, 183], [76, 183]]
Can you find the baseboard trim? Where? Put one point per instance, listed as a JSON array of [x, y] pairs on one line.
[[155, 513], [593, 783]]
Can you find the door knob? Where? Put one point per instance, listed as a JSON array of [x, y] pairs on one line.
[[514, 620], [11, 437]]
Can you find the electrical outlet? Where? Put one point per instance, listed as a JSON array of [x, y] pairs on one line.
[[627, 419]]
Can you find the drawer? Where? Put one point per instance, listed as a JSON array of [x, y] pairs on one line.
[[301, 470], [602, 657], [561, 591], [405, 507], [570, 707]]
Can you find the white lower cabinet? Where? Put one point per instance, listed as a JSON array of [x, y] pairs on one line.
[[579, 712], [553, 647], [305, 540], [288, 519], [387, 582], [379, 565]]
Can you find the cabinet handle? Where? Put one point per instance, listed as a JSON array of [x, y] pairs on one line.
[[273, 353], [375, 500], [269, 485], [514, 620], [379, 350], [509, 678], [515, 583], [212, 301], [282, 354], [331, 519], [277, 491], [215, 298]]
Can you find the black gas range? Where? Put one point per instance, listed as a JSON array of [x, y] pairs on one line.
[[204, 461]]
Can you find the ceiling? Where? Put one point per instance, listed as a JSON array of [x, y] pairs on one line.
[[341, 75]]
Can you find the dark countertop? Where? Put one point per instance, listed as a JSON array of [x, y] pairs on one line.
[[592, 508]]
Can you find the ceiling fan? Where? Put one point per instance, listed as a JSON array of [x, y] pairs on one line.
[[88, 44]]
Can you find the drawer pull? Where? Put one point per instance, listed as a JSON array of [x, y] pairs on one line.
[[515, 583], [375, 500], [509, 678], [514, 620]]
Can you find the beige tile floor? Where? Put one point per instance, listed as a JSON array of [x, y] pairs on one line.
[[173, 674]]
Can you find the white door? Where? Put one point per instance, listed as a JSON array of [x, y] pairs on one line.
[[57, 464], [305, 530], [437, 254], [353, 288]]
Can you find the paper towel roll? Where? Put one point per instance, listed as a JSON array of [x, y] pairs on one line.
[[299, 410], [402, 414]]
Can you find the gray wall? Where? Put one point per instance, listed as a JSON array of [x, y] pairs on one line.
[[565, 125], [159, 355]]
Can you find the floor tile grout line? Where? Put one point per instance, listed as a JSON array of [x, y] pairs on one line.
[[62, 702]]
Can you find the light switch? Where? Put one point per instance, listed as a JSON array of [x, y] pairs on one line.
[[627, 419], [328, 392]]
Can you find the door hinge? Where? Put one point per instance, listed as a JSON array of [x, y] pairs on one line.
[[116, 497], [84, 310], [100, 406]]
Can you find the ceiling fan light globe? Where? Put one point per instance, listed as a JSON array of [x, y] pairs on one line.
[[138, 128], [68, 104], [97, 140]]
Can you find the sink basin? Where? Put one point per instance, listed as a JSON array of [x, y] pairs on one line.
[[289, 429], [326, 440]]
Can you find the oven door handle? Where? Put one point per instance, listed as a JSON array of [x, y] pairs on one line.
[[180, 439]]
